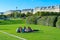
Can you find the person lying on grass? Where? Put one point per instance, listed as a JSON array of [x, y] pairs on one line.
[[30, 30]]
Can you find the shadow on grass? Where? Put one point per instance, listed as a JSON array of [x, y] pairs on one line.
[[38, 31]]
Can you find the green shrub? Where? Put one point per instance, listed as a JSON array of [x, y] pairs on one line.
[[47, 20], [32, 20], [58, 22]]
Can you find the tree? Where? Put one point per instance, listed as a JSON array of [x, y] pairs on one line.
[[18, 15], [15, 14], [37, 13], [23, 15], [29, 14]]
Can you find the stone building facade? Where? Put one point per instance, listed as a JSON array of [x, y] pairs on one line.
[[47, 9], [27, 10]]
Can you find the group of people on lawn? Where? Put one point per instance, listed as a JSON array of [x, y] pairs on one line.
[[20, 29]]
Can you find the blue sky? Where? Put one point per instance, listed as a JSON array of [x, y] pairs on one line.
[[22, 4]]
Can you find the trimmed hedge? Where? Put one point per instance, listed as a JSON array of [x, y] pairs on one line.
[[58, 22], [44, 20], [31, 20], [47, 20]]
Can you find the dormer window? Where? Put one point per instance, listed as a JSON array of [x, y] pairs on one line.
[[53, 7], [49, 7]]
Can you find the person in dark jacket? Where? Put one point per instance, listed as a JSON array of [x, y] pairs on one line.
[[29, 29], [18, 30]]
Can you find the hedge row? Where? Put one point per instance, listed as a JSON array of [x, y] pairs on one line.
[[58, 22], [47, 20], [44, 20]]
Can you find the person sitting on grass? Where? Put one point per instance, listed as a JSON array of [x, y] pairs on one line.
[[24, 29], [29, 29], [18, 30]]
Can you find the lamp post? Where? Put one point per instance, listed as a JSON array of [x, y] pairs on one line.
[[15, 14]]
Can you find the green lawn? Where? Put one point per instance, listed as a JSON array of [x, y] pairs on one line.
[[6, 37], [45, 33]]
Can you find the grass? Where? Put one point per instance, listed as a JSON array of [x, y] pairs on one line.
[[6, 37], [45, 33]]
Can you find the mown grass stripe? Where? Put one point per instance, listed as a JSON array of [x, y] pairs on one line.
[[13, 35]]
